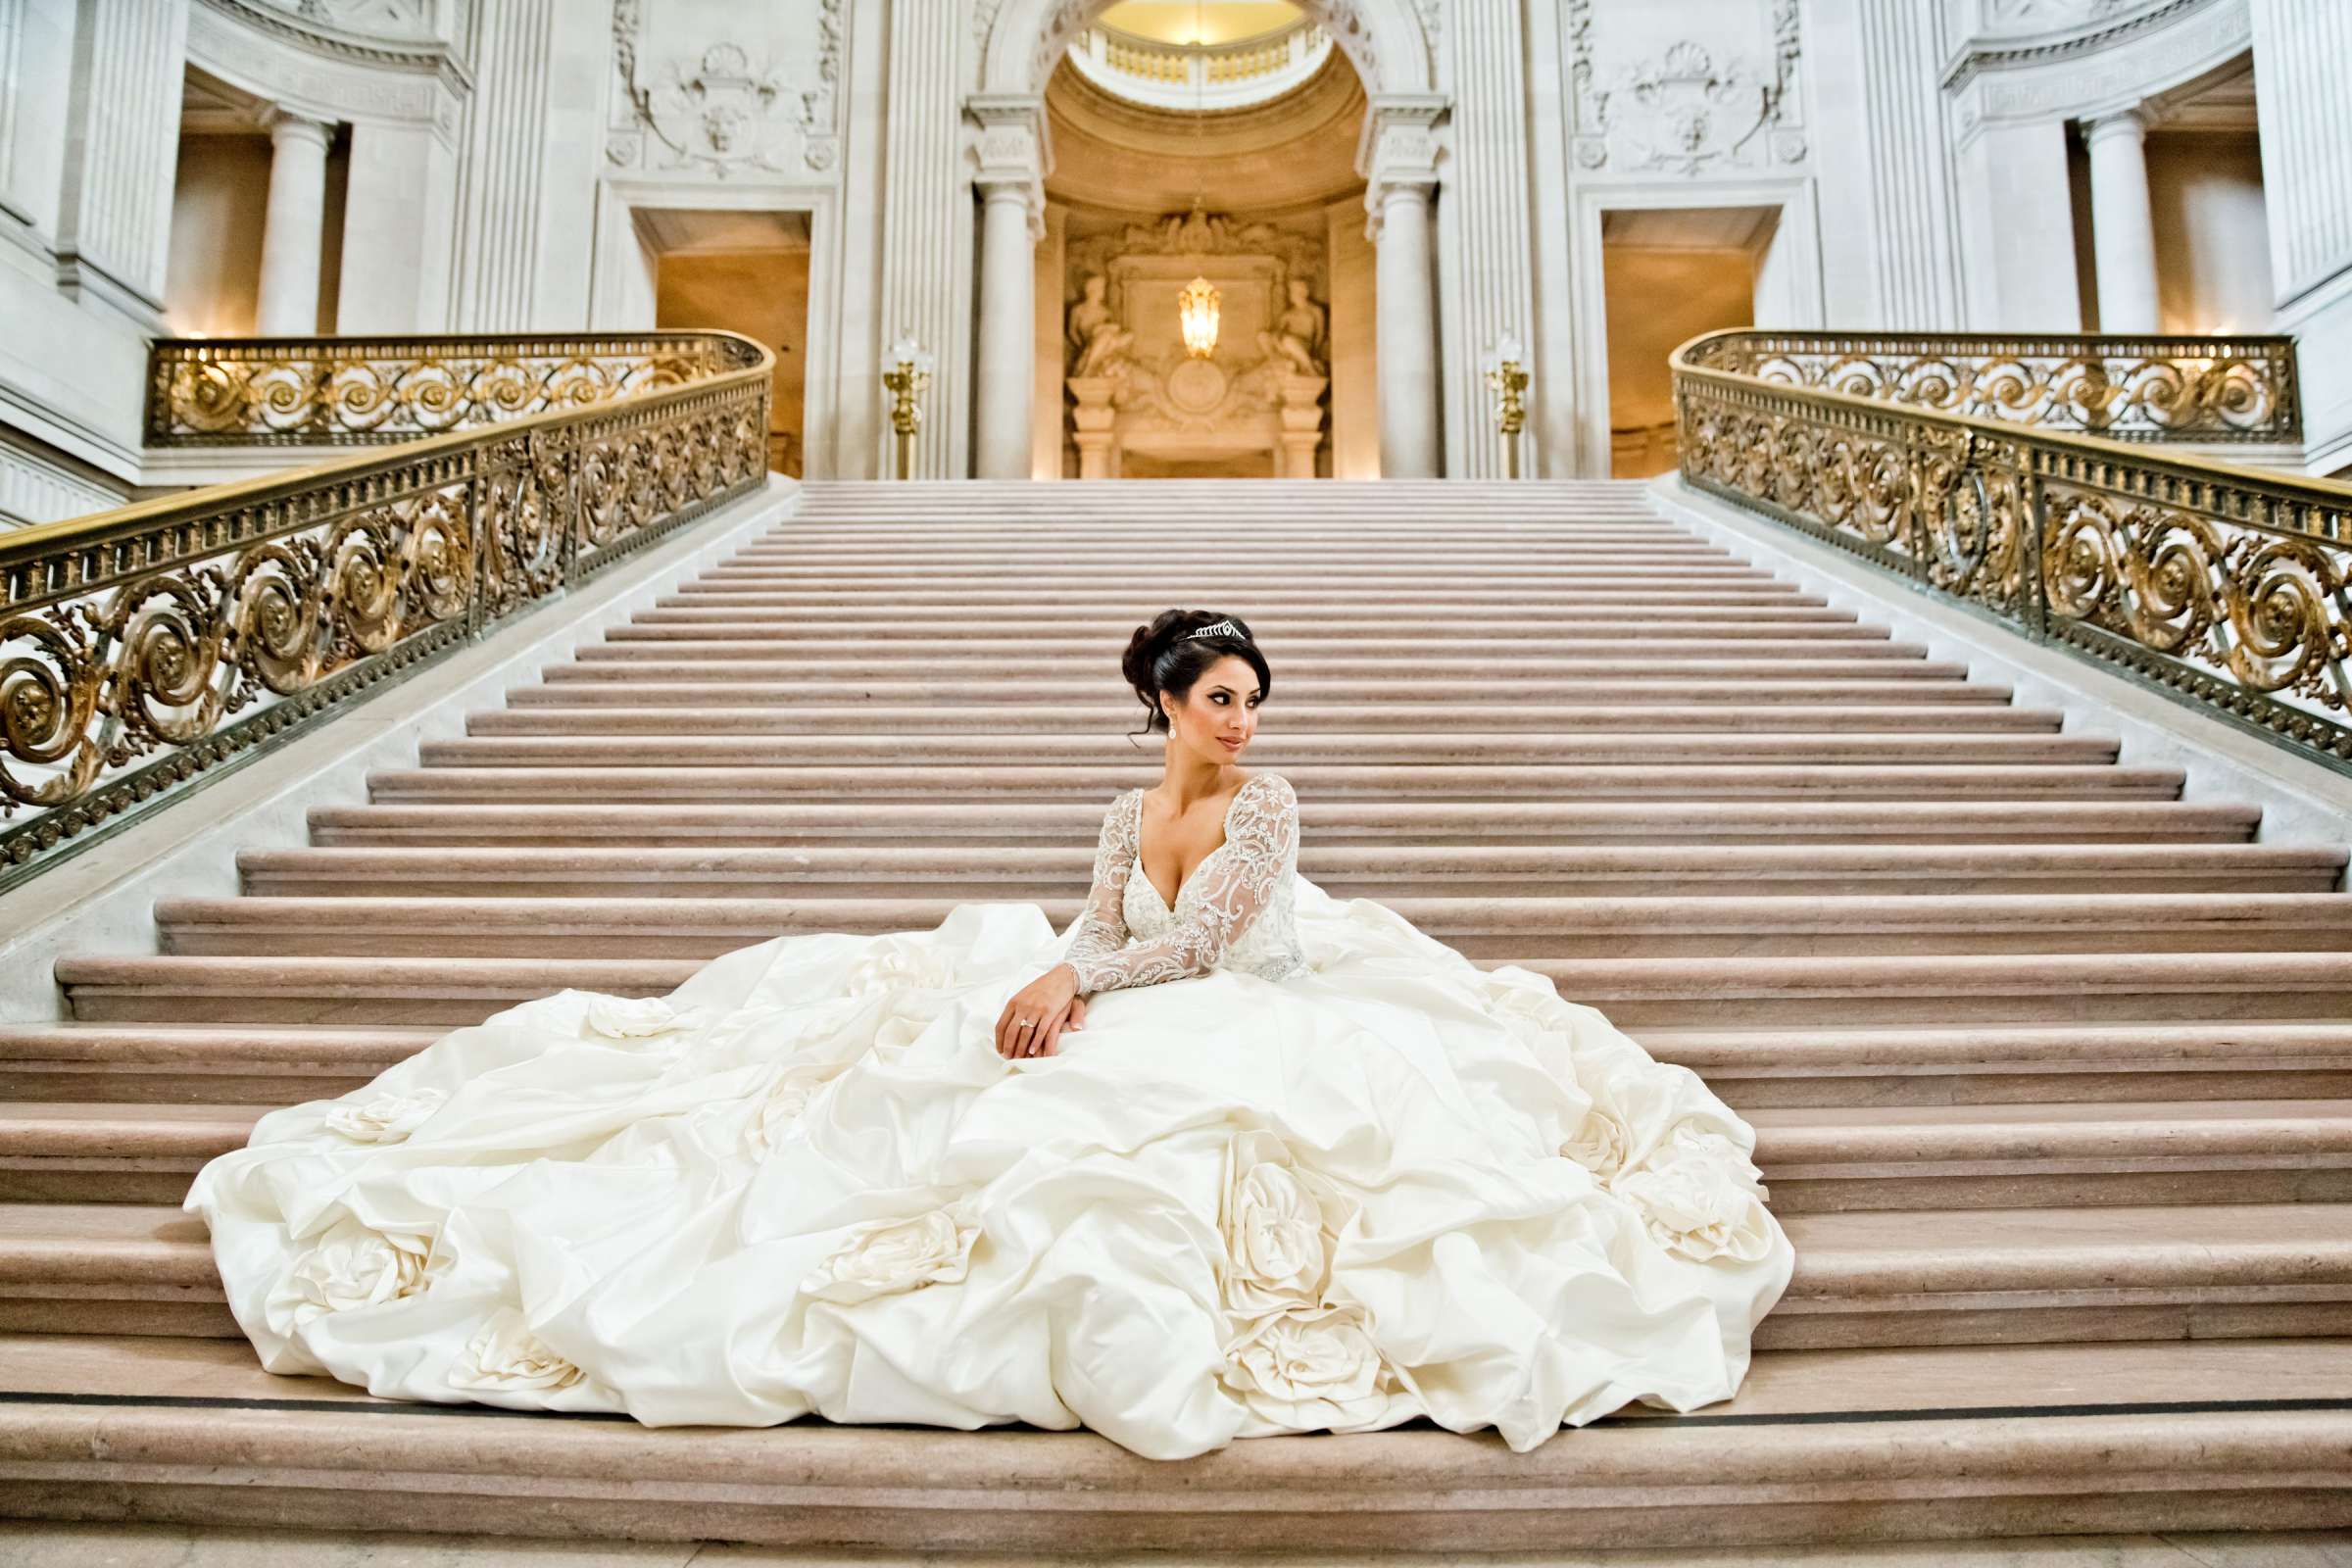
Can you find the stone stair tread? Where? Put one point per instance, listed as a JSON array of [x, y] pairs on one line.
[[642, 868], [1855, 1256], [2014, 973], [66, 1040], [1807, 822], [666, 779], [1628, 746], [1923, 1379], [1724, 717], [1873, 1254], [2103, 1136], [2277, 1129], [2173, 914], [93, 1130]]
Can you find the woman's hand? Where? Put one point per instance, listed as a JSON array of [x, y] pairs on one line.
[[1034, 1019]]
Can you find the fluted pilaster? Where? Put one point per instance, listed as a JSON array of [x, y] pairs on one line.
[[926, 223], [1917, 250], [2302, 50], [116, 226], [1491, 230], [501, 210]]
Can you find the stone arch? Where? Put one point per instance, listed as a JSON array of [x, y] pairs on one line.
[[1384, 39]]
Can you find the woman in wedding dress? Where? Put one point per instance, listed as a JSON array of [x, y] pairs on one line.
[[1228, 1158]]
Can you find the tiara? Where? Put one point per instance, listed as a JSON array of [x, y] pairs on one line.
[[1222, 629]]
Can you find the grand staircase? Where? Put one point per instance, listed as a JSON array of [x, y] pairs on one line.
[[2051, 1069]]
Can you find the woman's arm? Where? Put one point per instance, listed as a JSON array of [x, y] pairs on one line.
[[1102, 928], [1241, 881]]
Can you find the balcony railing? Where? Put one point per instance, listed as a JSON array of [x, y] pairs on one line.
[[1227, 75], [2233, 389], [2225, 586], [150, 646]]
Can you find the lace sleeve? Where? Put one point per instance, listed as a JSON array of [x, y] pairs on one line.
[[1102, 927], [1236, 882]]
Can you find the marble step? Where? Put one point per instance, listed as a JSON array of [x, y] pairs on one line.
[[1730, 665], [1411, 826], [1341, 869], [1589, 702], [599, 772], [703, 737], [1703, 991], [2054, 1155], [485, 924], [1626, 744], [1957, 1276], [1856, 1067], [1597, 558], [1816, 1159], [1863, 1067], [1859, 1444], [172, 1064], [706, 713], [1597, 620], [1669, 596]]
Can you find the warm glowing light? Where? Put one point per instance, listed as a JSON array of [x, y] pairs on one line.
[[1197, 312]]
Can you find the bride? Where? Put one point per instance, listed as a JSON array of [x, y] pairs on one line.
[[1228, 1158]]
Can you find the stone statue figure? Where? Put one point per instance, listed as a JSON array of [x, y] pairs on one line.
[[1099, 343], [1298, 334]]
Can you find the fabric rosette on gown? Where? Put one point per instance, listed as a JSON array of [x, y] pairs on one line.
[[1388, 1185]]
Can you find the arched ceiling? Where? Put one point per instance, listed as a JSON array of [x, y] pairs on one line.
[[1294, 152]]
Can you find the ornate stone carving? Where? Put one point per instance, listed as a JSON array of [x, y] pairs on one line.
[[1099, 343], [724, 112], [1135, 388], [1297, 334], [369, 19], [1689, 108]]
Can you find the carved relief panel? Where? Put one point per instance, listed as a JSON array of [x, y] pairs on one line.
[[713, 89], [1698, 88]]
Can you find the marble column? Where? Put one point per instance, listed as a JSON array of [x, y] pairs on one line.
[[1009, 155], [1406, 330], [1005, 382], [293, 227], [1397, 157], [2123, 224]]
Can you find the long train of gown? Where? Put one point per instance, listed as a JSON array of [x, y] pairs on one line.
[[1387, 1185]]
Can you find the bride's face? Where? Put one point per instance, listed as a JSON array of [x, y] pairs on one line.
[[1219, 714]]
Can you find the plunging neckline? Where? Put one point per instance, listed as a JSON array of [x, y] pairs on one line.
[[1225, 822]]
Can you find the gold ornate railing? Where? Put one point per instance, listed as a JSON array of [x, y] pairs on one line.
[[149, 647], [333, 391], [2178, 389], [2224, 586]]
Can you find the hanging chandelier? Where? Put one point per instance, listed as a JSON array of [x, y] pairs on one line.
[[1197, 306], [1197, 314]]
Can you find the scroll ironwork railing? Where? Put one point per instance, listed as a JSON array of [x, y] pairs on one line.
[[147, 648], [2227, 586], [2182, 390], [334, 392]]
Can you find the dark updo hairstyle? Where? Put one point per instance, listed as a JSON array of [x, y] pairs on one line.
[[1165, 657]]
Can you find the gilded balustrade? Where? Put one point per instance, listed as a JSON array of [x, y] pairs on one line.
[[2194, 389], [2227, 586], [152, 646], [369, 391]]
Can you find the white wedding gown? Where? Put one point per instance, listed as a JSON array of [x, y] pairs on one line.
[[1303, 1167]]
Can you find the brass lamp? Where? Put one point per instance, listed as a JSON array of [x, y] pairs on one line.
[[1506, 365], [906, 384]]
